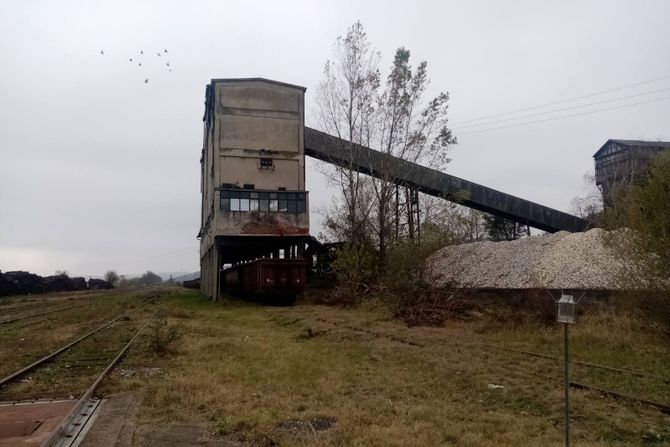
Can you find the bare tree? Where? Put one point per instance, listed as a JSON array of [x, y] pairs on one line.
[[346, 100], [397, 120], [590, 206]]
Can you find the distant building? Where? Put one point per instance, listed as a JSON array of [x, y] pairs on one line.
[[254, 202], [622, 163]]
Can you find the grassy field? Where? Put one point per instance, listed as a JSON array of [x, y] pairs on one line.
[[326, 376]]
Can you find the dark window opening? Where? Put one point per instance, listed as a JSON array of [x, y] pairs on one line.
[[266, 163]]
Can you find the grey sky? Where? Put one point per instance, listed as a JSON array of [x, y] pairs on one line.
[[99, 170]]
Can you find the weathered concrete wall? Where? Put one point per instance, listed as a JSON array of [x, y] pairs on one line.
[[238, 170], [247, 120], [256, 223]]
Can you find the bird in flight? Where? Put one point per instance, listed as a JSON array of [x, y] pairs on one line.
[[102, 52], [159, 54], [141, 51], [140, 64], [165, 51], [130, 60], [146, 81], [168, 64]]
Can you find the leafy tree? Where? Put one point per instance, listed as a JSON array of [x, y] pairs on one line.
[[500, 229], [150, 279], [111, 277], [646, 212], [410, 127]]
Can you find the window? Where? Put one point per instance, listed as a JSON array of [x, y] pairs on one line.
[[301, 202], [253, 201], [266, 163], [248, 186], [263, 201], [244, 201], [234, 200]]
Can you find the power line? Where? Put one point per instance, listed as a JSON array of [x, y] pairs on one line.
[[604, 101], [566, 116], [564, 100]]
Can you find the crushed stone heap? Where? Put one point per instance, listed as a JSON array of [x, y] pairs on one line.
[[553, 261]]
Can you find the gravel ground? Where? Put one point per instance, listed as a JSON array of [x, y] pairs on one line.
[[553, 261]]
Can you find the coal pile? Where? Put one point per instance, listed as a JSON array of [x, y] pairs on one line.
[[57, 283], [23, 283], [20, 283], [79, 283], [99, 284]]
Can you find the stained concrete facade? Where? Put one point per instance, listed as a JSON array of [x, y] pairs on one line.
[[254, 202], [621, 164]]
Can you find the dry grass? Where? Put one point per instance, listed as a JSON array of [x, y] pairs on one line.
[[247, 372], [325, 376]]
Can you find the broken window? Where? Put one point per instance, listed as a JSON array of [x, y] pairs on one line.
[[263, 201]]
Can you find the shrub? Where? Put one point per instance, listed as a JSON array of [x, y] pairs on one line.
[[163, 337]]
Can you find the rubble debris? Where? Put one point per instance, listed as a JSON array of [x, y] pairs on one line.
[[577, 261]]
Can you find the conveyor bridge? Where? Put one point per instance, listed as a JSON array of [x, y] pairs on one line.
[[334, 150]]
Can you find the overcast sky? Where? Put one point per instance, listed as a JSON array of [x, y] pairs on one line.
[[99, 170]]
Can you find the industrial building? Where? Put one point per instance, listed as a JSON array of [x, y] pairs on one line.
[[621, 164], [254, 203]]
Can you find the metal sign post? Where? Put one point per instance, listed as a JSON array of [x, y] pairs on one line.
[[566, 314]]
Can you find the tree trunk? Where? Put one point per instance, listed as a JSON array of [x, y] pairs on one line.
[[410, 213]]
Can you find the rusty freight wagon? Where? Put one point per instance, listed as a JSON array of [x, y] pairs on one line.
[[276, 281]]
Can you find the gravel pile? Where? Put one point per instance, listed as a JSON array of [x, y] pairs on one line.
[[553, 261]]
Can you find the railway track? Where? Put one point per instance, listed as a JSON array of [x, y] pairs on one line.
[[67, 370], [21, 320], [39, 300], [535, 370], [39, 314]]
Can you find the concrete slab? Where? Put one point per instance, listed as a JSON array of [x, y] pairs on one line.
[[113, 424]]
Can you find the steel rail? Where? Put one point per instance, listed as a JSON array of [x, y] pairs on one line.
[[25, 317], [60, 432], [30, 304], [579, 362], [47, 357], [520, 351], [665, 408]]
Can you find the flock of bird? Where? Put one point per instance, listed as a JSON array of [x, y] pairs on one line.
[[139, 62]]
